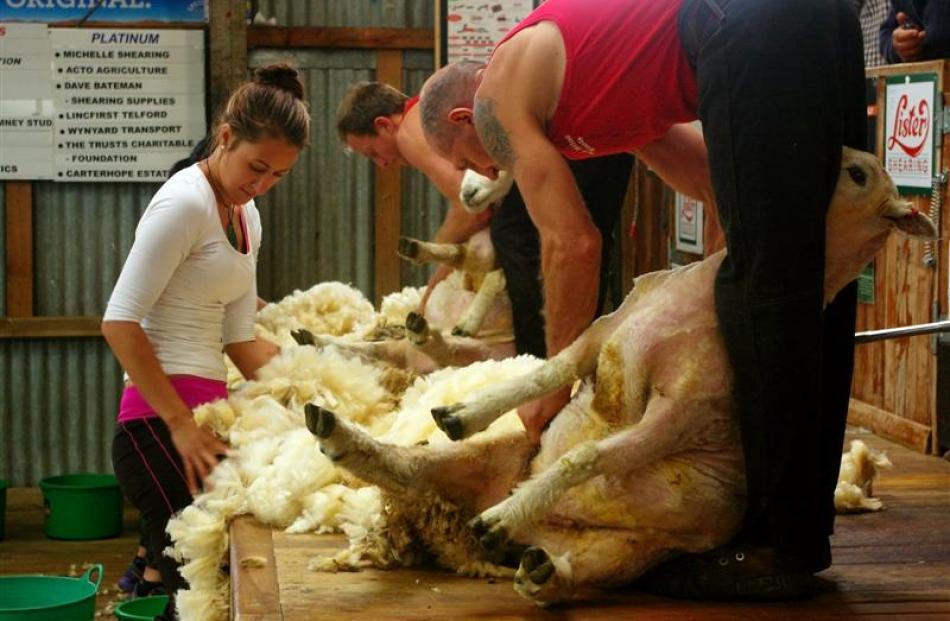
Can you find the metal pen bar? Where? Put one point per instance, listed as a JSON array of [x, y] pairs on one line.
[[893, 333]]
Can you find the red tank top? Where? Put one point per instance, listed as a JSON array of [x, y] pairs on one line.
[[626, 79], [410, 103]]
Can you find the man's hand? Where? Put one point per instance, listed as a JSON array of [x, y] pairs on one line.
[[908, 39], [536, 415], [199, 448]]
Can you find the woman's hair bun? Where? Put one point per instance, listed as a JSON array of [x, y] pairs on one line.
[[280, 75]]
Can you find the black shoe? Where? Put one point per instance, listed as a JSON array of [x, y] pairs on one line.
[[146, 588], [731, 573]]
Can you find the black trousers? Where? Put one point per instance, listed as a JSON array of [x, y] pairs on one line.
[[603, 184], [150, 474], [780, 92]]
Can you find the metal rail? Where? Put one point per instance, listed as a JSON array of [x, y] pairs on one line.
[[893, 333]]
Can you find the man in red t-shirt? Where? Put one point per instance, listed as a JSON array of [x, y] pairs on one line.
[[779, 88]]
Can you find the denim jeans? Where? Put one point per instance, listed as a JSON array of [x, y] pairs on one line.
[[781, 91]]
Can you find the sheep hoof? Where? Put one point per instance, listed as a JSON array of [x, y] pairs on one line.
[[408, 248], [417, 325], [303, 337], [537, 565], [460, 331], [320, 422], [494, 540], [446, 420]]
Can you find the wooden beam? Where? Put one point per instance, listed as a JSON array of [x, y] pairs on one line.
[[904, 431], [320, 37], [388, 192], [227, 45], [49, 327], [255, 592], [19, 244]]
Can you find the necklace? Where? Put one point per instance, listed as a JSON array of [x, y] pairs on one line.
[[229, 209]]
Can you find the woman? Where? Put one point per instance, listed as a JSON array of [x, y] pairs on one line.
[[188, 290]]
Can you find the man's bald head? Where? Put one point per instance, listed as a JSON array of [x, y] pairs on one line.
[[449, 88]]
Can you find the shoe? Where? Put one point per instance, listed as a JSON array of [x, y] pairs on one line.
[[132, 575], [734, 573]]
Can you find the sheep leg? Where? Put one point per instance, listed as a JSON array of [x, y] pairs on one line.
[[451, 352], [620, 454], [393, 352], [461, 420], [419, 252], [471, 321], [472, 474], [567, 559]]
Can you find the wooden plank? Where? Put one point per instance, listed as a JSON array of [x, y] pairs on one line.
[[19, 244], [49, 327], [388, 193], [322, 37], [905, 432], [227, 49], [652, 240], [891, 564], [254, 587]]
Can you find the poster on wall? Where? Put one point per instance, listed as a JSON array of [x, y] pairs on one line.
[[689, 224], [909, 112], [128, 102], [469, 29], [26, 102], [71, 12], [98, 104]]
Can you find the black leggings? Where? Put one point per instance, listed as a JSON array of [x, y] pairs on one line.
[[150, 473], [781, 90]]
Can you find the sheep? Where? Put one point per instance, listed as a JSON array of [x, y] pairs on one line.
[[478, 192], [656, 400]]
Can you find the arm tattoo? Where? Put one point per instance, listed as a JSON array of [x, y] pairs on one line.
[[492, 133]]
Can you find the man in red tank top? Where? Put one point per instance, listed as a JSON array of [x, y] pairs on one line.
[[778, 86]]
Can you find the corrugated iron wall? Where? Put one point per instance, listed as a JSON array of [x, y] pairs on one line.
[[318, 222], [58, 397]]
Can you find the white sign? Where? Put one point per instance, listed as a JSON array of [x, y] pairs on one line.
[[473, 28], [689, 224], [26, 106], [909, 133]]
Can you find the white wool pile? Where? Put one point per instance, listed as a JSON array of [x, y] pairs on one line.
[[859, 467], [276, 472], [325, 308], [395, 306]]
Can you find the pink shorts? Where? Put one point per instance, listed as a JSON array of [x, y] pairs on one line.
[[192, 389]]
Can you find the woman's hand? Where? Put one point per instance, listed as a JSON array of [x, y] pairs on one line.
[[200, 450]]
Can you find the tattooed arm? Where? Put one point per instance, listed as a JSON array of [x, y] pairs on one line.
[[509, 116]]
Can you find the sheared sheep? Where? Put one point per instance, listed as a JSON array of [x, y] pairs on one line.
[[646, 458]]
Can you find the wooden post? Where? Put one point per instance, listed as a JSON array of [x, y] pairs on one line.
[[19, 243], [227, 33], [388, 191]]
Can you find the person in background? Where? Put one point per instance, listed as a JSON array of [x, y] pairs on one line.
[[381, 123], [916, 30], [871, 14], [188, 291], [580, 79]]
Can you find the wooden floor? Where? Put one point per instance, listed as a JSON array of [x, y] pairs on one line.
[[887, 566]]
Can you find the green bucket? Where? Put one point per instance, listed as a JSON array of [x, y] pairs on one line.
[[82, 506], [50, 598], [3, 508], [142, 609]]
